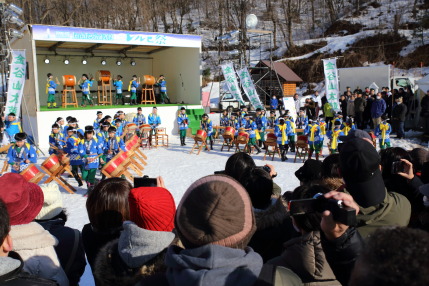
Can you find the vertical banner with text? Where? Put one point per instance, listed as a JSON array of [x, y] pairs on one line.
[[249, 88], [331, 83], [16, 82], [231, 82]]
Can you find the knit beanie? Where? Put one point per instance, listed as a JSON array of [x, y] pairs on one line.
[[152, 208], [53, 202], [215, 209]]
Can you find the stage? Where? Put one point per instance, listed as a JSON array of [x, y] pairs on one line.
[[75, 51]]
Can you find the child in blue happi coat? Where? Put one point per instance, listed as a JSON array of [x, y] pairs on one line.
[[183, 122], [139, 118], [51, 85], [119, 127], [90, 150], [132, 88], [313, 133], [13, 126], [21, 153], [86, 87], [207, 125], [334, 136], [292, 132], [117, 83], [302, 120], [97, 121], [154, 121], [281, 131], [72, 150], [57, 141], [261, 123], [251, 128], [272, 120]]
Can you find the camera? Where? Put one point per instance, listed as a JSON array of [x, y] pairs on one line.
[[398, 167], [144, 182], [341, 213]]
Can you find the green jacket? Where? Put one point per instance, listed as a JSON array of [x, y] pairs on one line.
[[395, 210], [327, 110]]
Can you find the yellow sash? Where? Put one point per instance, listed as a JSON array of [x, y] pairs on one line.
[[383, 128], [334, 141], [129, 86], [323, 128], [47, 87], [258, 136], [283, 131], [346, 130], [312, 131]]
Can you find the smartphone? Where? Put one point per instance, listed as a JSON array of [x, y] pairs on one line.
[[144, 182], [398, 167]]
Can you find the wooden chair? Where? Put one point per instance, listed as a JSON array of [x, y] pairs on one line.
[[271, 142], [160, 137], [301, 148]]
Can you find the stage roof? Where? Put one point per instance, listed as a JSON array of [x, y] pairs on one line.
[[73, 38]]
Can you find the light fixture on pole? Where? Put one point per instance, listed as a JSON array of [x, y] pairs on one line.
[[133, 62], [47, 61], [84, 61], [103, 62], [118, 62], [66, 61]]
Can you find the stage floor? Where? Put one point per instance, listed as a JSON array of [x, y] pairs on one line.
[[118, 107]]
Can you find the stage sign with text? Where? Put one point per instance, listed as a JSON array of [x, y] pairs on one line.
[[249, 88], [331, 83], [231, 82], [87, 35], [16, 82]]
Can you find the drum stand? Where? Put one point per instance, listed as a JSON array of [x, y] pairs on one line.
[[228, 141], [148, 95], [73, 98], [198, 145], [56, 176], [242, 140], [104, 93]]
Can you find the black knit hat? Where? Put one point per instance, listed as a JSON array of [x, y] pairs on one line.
[[360, 168], [310, 171]]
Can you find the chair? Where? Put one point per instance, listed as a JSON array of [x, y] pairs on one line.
[[271, 142], [301, 148], [160, 135]]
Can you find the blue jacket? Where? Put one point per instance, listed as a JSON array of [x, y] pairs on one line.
[[183, 121], [51, 87], [115, 144], [86, 85], [118, 84], [119, 130], [301, 122], [78, 130], [27, 152], [134, 86], [207, 126], [279, 134], [252, 126], [379, 134], [274, 103], [96, 123], [224, 121], [58, 140], [139, 119], [378, 108], [291, 129], [307, 132], [13, 127], [261, 123], [72, 149], [102, 138], [154, 120], [90, 149], [163, 86]]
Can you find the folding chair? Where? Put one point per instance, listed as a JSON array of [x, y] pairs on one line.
[[271, 142], [301, 148]]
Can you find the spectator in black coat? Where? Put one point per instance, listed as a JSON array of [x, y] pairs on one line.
[[69, 249], [424, 113], [360, 104], [108, 208], [343, 104], [367, 111], [398, 117]]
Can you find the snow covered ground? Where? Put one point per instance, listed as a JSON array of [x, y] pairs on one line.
[[180, 169]]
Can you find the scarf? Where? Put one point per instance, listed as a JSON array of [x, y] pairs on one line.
[[323, 128], [312, 131], [282, 129], [47, 86], [334, 142], [129, 86], [383, 128], [346, 130]]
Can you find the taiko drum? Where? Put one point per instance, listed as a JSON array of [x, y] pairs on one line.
[[69, 80], [148, 80], [201, 135], [104, 76], [52, 163], [30, 172]]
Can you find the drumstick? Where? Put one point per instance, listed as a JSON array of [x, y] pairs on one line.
[[5, 167], [53, 146]]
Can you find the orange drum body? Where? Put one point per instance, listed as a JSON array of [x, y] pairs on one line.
[[30, 173], [113, 167], [201, 135], [52, 163], [104, 76], [148, 80], [69, 80]]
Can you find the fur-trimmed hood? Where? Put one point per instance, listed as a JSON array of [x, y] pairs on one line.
[[272, 216]]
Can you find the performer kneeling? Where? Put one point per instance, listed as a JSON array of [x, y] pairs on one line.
[[90, 150], [21, 153]]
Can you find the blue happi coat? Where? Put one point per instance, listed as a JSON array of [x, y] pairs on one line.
[[183, 121], [90, 149], [139, 119], [115, 144], [72, 149], [251, 125], [154, 120], [207, 126], [27, 152], [58, 140]]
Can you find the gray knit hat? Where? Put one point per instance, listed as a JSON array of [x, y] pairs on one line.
[[137, 246], [215, 209]]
